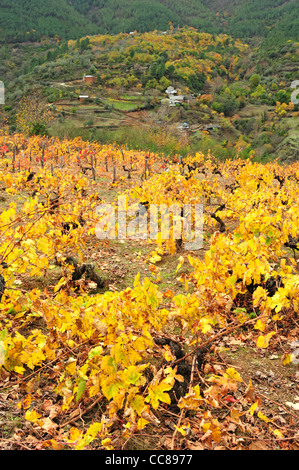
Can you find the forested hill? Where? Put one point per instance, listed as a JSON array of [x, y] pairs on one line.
[[30, 20]]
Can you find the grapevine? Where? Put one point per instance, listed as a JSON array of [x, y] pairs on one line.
[[134, 355]]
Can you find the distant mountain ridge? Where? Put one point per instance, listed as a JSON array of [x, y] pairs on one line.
[[30, 20]]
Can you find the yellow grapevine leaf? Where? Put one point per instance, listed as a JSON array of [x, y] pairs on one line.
[[107, 443], [60, 283], [260, 325], [206, 427], [181, 262], [137, 404], [253, 408], [27, 402], [192, 400], [172, 374], [111, 388], [263, 417], [263, 341], [287, 359], [155, 258], [53, 444], [43, 245], [183, 429], [74, 434], [277, 317], [157, 393], [32, 416], [205, 325], [180, 300], [132, 374], [19, 369], [167, 353], [94, 429], [233, 374], [277, 433], [70, 367], [259, 294], [141, 423]]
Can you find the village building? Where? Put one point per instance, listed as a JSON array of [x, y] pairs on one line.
[[90, 79], [171, 91], [173, 97], [183, 127]]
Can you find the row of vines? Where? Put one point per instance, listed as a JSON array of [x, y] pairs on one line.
[[136, 355]]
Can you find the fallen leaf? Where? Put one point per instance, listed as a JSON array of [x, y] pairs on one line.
[[197, 446], [295, 406], [250, 393], [53, 410], [47, 424], [258, 445], [230, 399]]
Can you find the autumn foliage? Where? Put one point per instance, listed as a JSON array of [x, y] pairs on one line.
[[33, 115], [137, 354]]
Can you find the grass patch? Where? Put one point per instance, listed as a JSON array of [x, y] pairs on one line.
[[121, 105]]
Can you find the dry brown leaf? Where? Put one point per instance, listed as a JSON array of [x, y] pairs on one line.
[[258, 445], [150, 417], [206, 435], [100, 326], [48, 425], [165, 442], [250, 393], [197, 446], [231, 427], [53, 410]]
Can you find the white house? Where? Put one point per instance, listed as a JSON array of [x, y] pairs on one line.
[[173, 97], [183, 127], [171, 91]]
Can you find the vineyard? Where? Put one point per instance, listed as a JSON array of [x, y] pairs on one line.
[[124, 342]]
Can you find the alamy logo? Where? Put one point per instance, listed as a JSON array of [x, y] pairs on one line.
[[294, 99], [143, 221], [2, 93]]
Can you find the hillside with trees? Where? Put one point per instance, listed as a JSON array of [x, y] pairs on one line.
[[23, 20], [233, 98]]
